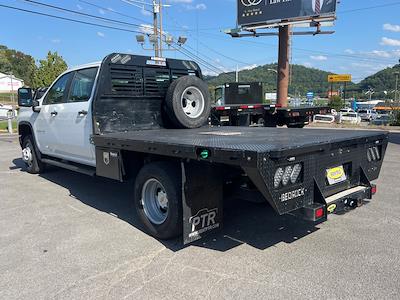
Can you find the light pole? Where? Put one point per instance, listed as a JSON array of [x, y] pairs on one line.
[[397, 82], [156, 10], [158, 37], [12, 87]]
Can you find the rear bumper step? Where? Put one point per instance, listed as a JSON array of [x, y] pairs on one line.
[[358, 192], [337, 203]]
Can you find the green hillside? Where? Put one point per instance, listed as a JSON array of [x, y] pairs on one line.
[[303, 79], [382, 81]]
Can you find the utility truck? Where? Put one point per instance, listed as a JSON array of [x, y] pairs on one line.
[[145, 120], [242, 104]]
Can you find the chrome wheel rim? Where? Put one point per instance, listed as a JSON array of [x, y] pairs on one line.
[[155, 201], [192, 102], [27, 155]]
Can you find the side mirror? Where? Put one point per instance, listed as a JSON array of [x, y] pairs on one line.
[[36, 105], [25, 97]]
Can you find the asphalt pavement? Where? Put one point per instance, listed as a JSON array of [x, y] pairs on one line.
[[68, 236]]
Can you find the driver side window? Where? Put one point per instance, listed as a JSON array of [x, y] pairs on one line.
[[57, 93]]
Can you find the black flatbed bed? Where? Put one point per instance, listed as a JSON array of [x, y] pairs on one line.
[[233, 145]]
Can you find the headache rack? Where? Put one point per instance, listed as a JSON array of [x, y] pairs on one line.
[[131, 90]]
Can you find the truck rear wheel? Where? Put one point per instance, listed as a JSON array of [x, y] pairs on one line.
[[158, 199], [30, 157], [188, 102]]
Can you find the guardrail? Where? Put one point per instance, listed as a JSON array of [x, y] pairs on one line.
[[7, 113]]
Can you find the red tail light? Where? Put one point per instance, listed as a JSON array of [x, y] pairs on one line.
[[319, 213], [373, 189]]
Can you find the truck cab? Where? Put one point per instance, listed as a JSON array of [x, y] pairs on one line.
[[62, 119]]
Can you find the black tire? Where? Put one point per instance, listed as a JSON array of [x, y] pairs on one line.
[[176, 103], [261, 121], [169, 175], [33, 165]]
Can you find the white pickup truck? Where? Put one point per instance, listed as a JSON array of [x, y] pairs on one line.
[[145, 119]]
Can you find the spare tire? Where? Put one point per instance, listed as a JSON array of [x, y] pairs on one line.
[[187, 102]]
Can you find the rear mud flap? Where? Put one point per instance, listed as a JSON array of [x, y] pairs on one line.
[[202, 200]]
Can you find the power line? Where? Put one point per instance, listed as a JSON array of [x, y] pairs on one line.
[[113, 11], [200, 60], [200, 63], [177, 23], [212, 59], [81, 13], [67, 19], [369, 7], [139, 4], [206, 46], [348, 56], [188, 53]]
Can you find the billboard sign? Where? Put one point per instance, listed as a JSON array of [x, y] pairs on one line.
[[253, 12], [339, 78]]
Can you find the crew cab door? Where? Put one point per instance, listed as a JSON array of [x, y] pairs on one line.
[[45, 125], [74, 121]]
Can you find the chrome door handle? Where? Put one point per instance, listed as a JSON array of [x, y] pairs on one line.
[[54, 113], [82, 113]]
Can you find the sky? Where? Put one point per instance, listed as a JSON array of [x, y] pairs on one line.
[[366, 38]]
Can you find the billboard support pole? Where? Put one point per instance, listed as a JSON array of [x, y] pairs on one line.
[[344, 94], [283, 66]]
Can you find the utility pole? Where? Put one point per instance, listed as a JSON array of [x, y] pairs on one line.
[[283, 66], [156, 10], [157, 39]]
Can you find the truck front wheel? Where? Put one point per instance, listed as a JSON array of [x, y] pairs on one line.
[[158, 199], [30, 157]]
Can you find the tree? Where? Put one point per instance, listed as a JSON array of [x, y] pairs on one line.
[[18, 63], [336, 103], [49, 69]]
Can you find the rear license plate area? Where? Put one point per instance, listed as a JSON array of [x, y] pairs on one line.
[[336, 175]]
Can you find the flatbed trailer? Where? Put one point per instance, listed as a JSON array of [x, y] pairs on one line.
[[241, 104], [268, 115]]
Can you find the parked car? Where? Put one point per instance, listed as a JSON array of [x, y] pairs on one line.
[[384, 120], [4, 111], [346, 110], [351, 118], [367, 114], [327, 119]]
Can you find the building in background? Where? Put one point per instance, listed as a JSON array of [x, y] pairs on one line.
[[10, 83]]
